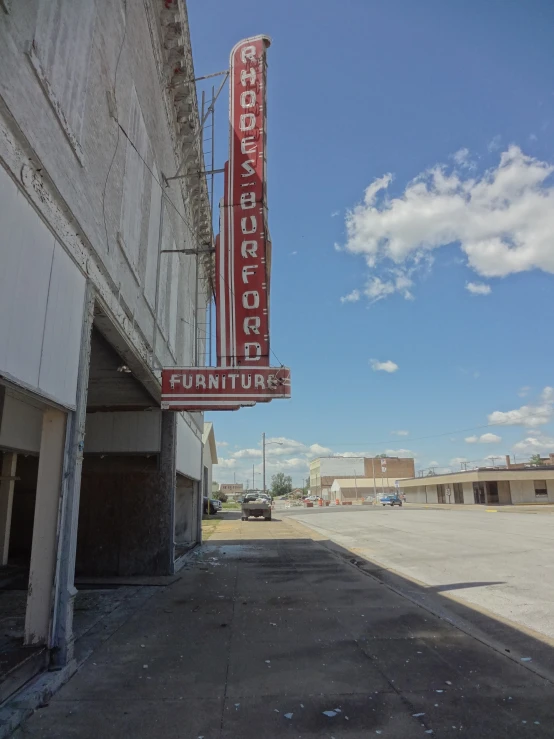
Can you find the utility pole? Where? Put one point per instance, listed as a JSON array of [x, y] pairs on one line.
[[374, 485], [263, 461], [253, 484]]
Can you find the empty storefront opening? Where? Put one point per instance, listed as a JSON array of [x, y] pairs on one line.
[[458, 492]]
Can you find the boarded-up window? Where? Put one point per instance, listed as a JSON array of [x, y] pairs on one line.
[[136, 185], [169, 284], [61, 57], [153, 240]]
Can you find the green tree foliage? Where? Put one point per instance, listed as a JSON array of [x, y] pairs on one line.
[[536, 459], [281, 484]]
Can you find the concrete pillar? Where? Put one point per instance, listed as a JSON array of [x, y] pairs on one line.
[[62, 626], [45, 528], [7, 482], [168, 480]]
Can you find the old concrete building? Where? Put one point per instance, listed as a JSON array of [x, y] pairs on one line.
[[325, 470], [97, 113], [484, 486]]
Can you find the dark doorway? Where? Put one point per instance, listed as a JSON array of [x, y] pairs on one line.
[[458, 492], [440, 494], [492, 492], [479, 493]]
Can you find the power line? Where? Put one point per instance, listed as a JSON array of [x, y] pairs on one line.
[[421, 438]]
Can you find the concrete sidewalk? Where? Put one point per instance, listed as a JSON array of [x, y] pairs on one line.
[[269, 633], [492, 508]]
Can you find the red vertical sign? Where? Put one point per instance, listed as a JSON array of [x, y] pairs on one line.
[[244, 249]]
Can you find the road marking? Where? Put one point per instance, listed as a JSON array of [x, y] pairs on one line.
[[491, 510]]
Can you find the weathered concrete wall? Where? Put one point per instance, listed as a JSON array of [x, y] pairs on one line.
[[185, 523], [123, 517]]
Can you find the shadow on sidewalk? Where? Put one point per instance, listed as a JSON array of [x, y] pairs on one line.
[[278, 635]]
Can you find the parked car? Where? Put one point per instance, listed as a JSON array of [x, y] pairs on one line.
[[391, 500], [211, 506]]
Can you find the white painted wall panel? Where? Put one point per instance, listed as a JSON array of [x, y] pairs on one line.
[[21, 425], [342, 467], [62, 329], [133, 205], [63, 41], [153, 241], [129, 432], [189, 450], [26, 254]]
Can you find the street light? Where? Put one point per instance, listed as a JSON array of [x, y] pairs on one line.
[[279, 443]]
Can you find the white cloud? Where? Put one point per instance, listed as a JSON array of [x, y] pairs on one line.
[[227, 463], [478, 288], [294, 253], [527, 415], [318, 451], [433, 463], [399, 453], [535, 444], [523, 391], [547, 394], [455, 461], [222, 443], [351, 297], [247, 454], [335, 213], [533, 137], [462, 159], [489, 439], [387, 366], [503, 221], [400, 433], [483, 439], [399, 282], [495, 144]]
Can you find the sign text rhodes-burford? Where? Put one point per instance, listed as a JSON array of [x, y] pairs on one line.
[[243, 376]]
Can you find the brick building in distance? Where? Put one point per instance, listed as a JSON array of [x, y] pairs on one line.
[[384, 470]]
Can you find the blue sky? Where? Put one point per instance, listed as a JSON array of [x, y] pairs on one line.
[[445, 266]]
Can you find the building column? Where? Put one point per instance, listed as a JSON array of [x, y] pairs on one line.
[[7, 482], [62, 627], [168, 482], [45, 527]]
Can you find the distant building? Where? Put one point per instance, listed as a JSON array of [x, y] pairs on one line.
[[352, 489], [232, 489], [385, 470], [484, 486], [210, 455], [215, 487]]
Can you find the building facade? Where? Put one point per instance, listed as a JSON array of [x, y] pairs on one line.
[[97, 113], [485, 486], [325, 470], [232, 490]]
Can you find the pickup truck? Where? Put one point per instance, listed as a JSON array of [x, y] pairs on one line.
[[259, 507]]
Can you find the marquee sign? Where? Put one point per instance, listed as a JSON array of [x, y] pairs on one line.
[[243, 252], [243, 376], [222, 388]]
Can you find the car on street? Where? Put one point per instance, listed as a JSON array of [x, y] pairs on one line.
[[391, 500]]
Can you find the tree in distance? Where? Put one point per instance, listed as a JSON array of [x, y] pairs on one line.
[[281, 484]]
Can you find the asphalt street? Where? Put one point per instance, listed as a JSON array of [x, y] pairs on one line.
[[503, 563]]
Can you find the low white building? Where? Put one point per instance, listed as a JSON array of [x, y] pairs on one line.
[[352, 489], [484, 486]]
